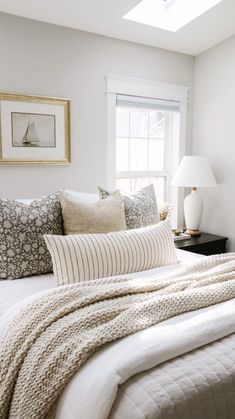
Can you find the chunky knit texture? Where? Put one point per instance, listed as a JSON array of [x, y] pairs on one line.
[[49, 339]]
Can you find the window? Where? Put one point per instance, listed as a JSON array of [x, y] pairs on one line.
[[145, 129], [146, 137]]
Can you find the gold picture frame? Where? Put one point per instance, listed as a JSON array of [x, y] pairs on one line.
[[34, 130]]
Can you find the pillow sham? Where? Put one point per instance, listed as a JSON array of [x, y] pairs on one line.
[[101, 216], [78, 258], [140, 208], [85, 197], [23, 251]]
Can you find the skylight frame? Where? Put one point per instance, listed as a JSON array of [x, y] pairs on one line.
[[172, 16]]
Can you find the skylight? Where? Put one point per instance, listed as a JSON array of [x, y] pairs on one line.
[[170, 15]]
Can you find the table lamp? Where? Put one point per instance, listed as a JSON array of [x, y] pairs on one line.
[[194, 172]]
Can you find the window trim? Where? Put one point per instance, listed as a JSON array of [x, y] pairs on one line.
[[155, 90]]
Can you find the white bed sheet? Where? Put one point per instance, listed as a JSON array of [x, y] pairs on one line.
[[14, 291]]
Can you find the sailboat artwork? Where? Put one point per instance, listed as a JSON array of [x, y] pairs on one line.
[[33, 130], [30, 138]]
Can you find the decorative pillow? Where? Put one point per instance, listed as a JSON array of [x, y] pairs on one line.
[[78, 258], [23, 251], [86, 198], [140, 208], [99, 217]]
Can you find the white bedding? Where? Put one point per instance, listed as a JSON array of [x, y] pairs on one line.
[[92, 391], [14, 291]]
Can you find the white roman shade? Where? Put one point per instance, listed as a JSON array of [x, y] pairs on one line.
[[142, 102]]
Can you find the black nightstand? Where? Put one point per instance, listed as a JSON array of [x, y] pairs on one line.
[[206, 244]]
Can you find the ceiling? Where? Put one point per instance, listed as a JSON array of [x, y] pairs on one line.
[[105, 17]]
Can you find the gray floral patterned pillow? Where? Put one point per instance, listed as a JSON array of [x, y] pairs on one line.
[[23, 251], [140, 208]]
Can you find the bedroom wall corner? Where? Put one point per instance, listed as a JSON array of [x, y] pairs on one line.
[[213, 134]]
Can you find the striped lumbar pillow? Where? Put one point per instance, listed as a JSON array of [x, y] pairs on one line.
[[83, 257]]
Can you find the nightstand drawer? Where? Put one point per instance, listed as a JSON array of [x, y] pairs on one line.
[[208, 248], [206, 244]]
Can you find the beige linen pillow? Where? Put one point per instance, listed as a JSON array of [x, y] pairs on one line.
[[140, 208], [98, 217], [83, 257]]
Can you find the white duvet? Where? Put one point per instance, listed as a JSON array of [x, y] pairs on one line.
[[92, 391], [14, 291]]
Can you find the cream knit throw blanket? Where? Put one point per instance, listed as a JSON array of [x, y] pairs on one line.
[[52, 337]]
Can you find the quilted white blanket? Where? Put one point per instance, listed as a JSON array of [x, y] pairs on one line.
[[202, 283]]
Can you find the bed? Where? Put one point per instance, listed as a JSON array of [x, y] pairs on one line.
[[183, 367]]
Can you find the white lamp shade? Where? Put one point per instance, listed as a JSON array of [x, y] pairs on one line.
[[194, 171]]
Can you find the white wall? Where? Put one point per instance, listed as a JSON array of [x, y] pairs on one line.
[[43, 59], [214, 134]]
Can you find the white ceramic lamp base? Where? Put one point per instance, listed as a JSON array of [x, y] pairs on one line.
[[193, 212]]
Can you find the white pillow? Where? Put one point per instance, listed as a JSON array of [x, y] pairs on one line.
[[25, 201], [83, 197], [86, 198], [84, 257]]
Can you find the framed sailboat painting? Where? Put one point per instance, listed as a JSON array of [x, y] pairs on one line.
[[34, 130]]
